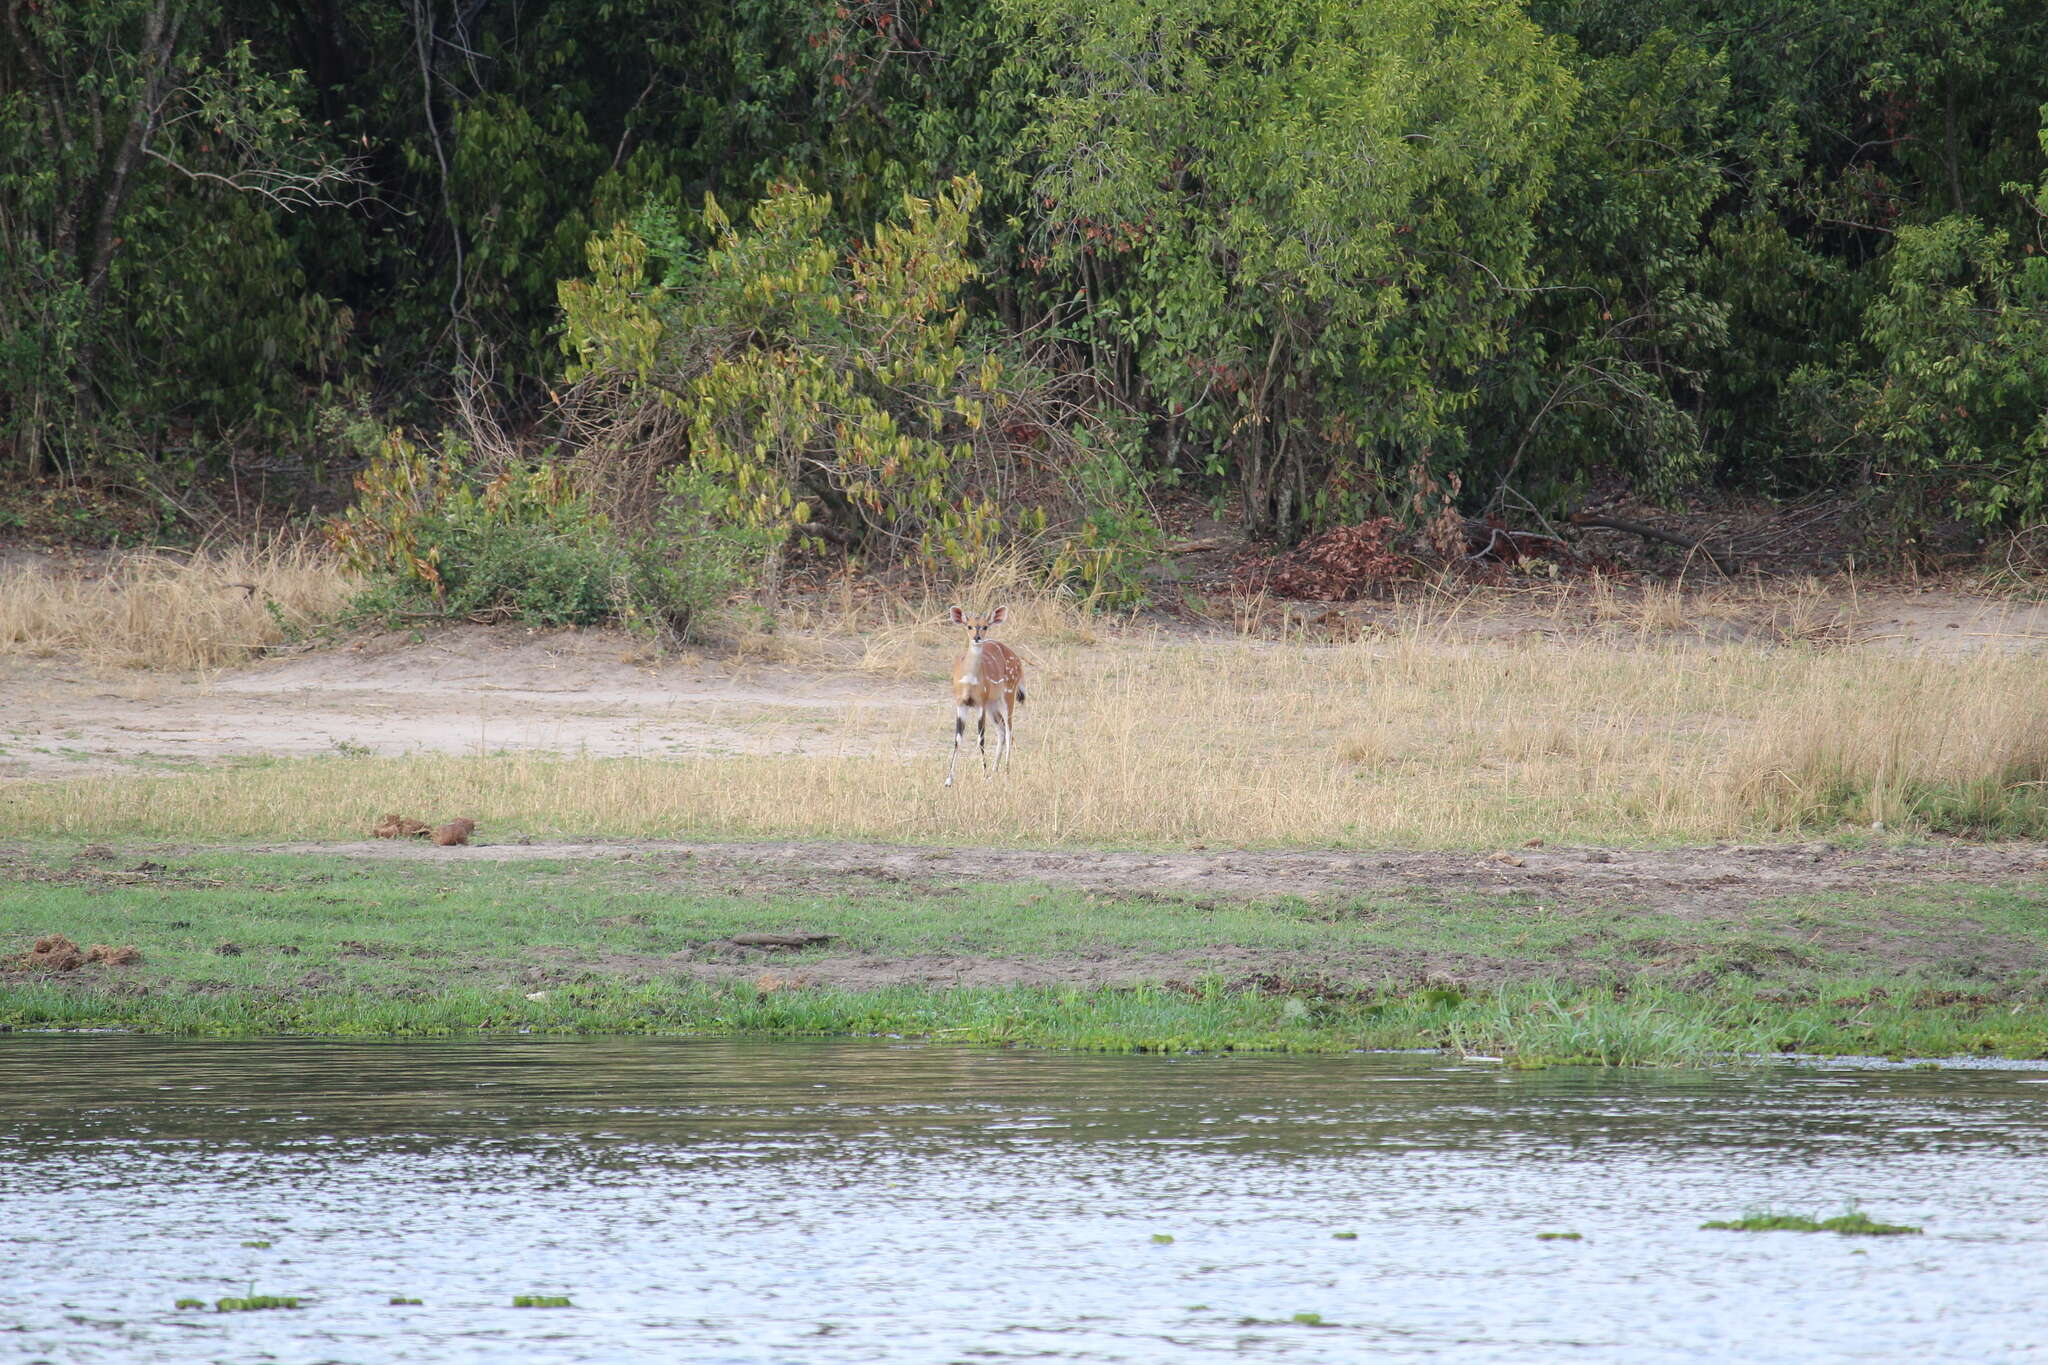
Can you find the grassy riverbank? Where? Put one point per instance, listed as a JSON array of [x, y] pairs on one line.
[[235, 942]]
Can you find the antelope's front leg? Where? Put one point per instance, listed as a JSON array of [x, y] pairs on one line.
[[959, 729], [981, 733]]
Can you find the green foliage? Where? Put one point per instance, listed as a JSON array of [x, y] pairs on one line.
[[1959, 401], [839, 390], [1117, 534], [151, 160], [1308, 286], [524, 544], [1612, 349], [1534, 244], [812, 376]]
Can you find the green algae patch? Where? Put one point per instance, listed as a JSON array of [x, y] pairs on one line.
[[541, 1301], [255, 1303]]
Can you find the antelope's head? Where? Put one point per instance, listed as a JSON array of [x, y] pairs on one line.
[[978, 627]]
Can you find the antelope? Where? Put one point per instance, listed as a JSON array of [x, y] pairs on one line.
[[990, 679]]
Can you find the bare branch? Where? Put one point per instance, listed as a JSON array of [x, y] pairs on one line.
[[289, 189]]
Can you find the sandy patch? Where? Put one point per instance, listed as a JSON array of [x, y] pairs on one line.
[[470, 689]]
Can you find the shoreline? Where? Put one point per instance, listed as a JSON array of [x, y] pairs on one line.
[[1926, 956]]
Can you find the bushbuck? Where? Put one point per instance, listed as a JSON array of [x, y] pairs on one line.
[[990, 679]]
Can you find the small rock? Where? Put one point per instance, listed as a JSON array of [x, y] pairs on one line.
[[228, 949], [538, 995], [1599, 855]]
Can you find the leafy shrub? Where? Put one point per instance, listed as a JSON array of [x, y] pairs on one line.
[[839, 392], [525, 544]]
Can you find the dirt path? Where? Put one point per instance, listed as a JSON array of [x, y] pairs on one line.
[[1704, 882]]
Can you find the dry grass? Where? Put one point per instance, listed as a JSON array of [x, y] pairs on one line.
[[166, 611], [1417, 738]]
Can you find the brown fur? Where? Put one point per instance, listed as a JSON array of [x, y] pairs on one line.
[[454, 832], [399, 827], [988, 678]]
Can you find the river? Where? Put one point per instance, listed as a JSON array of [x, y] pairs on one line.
[[869, 1200]]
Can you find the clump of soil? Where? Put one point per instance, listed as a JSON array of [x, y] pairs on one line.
[[57, 953], [770, 982], [52, 953], [394, 826], [454, 832]]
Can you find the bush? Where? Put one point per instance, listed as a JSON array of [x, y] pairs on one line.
[[837, 391], [526, 545]]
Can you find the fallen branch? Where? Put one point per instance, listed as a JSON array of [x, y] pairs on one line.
[[1492, 540], [1724, 563], [780, 940]]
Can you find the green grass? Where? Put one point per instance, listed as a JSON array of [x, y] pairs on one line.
[[239, 944]]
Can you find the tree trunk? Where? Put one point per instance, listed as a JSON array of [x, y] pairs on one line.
[[160, 41]]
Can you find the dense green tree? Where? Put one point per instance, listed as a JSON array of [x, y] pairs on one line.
[[1302, 226]]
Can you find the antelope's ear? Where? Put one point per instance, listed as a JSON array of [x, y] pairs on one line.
[[959, 617], [998, 616]]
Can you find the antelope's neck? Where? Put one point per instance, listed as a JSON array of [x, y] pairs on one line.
[[969, 670]]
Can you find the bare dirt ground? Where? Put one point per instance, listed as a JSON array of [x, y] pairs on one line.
[[474, 689], [1710, 882], [469, 689]]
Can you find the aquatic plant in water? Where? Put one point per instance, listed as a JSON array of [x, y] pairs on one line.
[[255, 1303], [1853, 1222], [541, 1301]]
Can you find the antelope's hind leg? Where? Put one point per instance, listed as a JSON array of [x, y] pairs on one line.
[[1006, 715]]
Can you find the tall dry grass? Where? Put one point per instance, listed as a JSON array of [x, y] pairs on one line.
[[169, 611], [1420, 738]]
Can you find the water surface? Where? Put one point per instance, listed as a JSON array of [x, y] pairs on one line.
[[867, 1201]]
